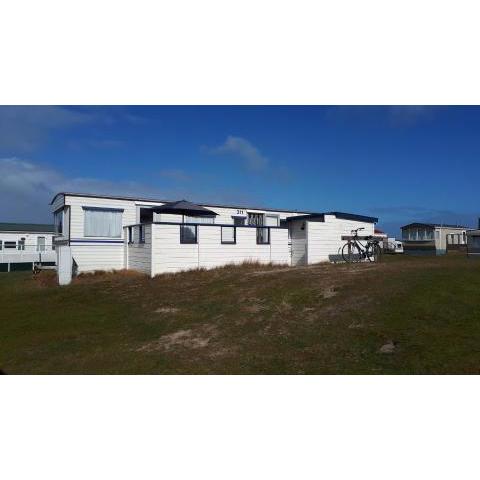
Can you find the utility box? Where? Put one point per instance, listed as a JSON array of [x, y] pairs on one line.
[[64, 265]]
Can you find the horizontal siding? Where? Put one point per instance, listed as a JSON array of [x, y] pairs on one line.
[[77, 213], [324, 239], [171, 256], [90, 257], [140, 254]]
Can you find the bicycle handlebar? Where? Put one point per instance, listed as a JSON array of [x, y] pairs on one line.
[[357, 230]]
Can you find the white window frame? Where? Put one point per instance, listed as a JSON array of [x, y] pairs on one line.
[[39, 245], [102, 209]]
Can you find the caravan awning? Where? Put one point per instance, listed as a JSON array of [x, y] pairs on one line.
[[183, 207]]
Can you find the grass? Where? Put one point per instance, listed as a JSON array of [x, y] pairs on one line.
[[321, 319]]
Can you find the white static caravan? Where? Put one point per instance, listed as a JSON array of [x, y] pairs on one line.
[[109, 233], [318, 237], [473, 242], [22, 245], [434, 238], [91, 230]]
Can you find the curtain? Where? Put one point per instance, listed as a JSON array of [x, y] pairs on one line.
[[188, 234], [207, 220], [271, 220], [40, 244], [103, 223], [228, 234]]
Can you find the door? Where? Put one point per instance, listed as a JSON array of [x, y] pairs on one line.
[[40, 244]]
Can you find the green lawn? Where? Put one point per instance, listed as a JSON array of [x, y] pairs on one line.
[[249, 319]]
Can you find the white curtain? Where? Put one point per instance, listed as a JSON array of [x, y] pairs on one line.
[[40, 244], [228, 234], [103, 223], [271, 220], [207, 220]]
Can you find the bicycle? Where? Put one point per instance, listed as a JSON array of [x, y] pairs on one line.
[[354, 251]]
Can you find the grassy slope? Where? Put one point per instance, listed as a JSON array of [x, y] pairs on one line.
[[249, 319]]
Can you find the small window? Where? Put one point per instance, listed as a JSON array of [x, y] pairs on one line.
[[1, 244], [263, 235], [10, 245], [58, 221], [188, 233], [271, 220], [130, 235], [238, 221], [141, 234], [229, 235], [40, 244], [21, 244]]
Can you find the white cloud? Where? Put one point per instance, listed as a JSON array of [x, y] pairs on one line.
[[26, 189], [244, 150]]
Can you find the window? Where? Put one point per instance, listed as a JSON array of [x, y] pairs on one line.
[[21, 244], [10, 245], [188, 233], [58, 221], [238, 221], [255, 219], [130, 234], [40, 244], [271, 220], [1, 244], [141, 234], [229, 235], [207, 220], [103, 222], [263, 235]]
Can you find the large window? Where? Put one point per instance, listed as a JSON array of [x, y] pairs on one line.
[[229, 235], [58, 221], [10, 245], [103, 222], [263, 235], [188, 233]]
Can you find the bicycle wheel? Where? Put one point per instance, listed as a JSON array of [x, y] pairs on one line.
[[351, 253], [374, 252]]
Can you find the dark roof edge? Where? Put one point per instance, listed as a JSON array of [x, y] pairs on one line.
[[320, 217], [435, 225], [353, 216], [156, 200], [27, 227]]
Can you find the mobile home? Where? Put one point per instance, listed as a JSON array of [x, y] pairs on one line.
[[433, 238], [23, 245], [101, 232], [473, 242]]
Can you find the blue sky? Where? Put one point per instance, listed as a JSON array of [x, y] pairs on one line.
[[401, 164]]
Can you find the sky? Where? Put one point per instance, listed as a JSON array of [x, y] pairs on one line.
[[398, 163]]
